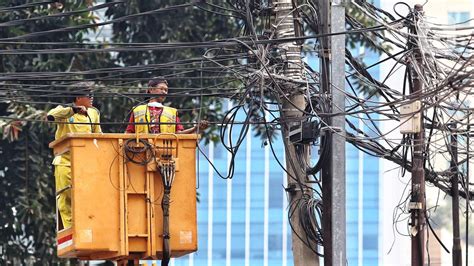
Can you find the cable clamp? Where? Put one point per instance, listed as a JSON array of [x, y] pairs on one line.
[[415, 205], [325, 53], [332, 129], [292, 189]]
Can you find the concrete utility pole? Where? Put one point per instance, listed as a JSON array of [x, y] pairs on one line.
[[334, 175], [417, 203], [291, 53], [338, 149]]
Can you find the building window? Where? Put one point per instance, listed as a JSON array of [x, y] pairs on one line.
[[461, 18], [458, 17]]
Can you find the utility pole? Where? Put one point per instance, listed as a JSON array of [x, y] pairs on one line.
[[326, 171], [468, 202], [457, 255], [417, 203], [292, 106], [338, 122], [332, 64]]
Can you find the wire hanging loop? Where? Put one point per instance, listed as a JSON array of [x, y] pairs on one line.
[[166, 165], [140, 152]]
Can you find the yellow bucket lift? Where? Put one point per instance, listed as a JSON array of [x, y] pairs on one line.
[[131, 197]]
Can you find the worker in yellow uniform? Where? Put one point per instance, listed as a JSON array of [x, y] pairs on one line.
[[153, 117], [80, 117]]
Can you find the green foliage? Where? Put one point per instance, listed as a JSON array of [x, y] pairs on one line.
[[187, 24], [27, 219], [373, 41], [27, 216], [27, 223]]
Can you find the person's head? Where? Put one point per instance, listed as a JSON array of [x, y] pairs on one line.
[[159, 87], [82, 94]]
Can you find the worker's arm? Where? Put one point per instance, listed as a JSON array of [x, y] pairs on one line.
[[96, 127], [187, 131], [60, 113], [202, 125]]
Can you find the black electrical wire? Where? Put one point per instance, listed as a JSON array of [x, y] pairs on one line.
[[259, 47], [91, 25]]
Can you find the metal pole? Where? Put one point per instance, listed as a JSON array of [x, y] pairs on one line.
[[291, 52], [326, 172], [457, 258], [417, 203], [338, 149], [468, 141], [332, 62]]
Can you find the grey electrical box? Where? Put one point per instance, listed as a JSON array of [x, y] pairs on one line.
[[410, 118], [303, 132]]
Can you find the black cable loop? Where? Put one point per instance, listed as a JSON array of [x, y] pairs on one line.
[[133, 149]]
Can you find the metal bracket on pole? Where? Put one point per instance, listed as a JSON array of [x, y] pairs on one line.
[[415, 205]]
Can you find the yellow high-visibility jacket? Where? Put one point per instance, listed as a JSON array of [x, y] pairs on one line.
[[141, 114], [66, 114]]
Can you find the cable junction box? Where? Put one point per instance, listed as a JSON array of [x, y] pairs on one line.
[[303, 132], [410, 118]]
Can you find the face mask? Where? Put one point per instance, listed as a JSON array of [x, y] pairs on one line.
[[155, 104]]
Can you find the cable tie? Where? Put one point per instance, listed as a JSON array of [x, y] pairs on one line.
[[331, 128], [292, 188]]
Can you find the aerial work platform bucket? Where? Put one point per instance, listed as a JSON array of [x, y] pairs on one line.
[[117, 192]]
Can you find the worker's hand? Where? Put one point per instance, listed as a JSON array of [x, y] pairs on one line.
[[203, 124], [80, 110]]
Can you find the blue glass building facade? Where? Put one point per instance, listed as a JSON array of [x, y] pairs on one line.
[[362, 189], [363, 186], [243, 220]]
